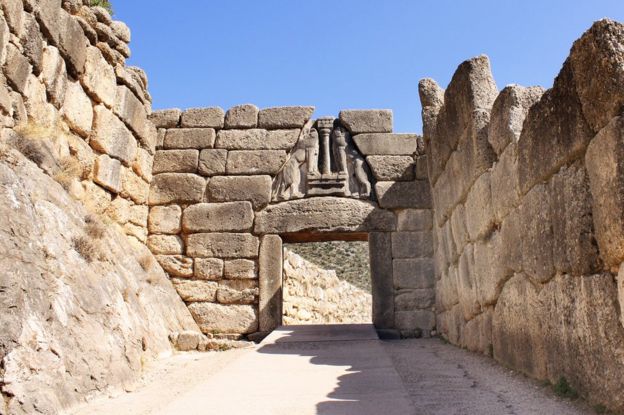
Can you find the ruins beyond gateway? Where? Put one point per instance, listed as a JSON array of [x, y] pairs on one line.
[[129, 233]]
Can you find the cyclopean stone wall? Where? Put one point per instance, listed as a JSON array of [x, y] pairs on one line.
[[229, 187], [528, 199], [68, 102]]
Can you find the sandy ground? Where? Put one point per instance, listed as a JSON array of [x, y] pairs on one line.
[[336, 370]]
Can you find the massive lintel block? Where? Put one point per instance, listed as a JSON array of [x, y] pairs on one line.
[[367, 121], [386, 144]]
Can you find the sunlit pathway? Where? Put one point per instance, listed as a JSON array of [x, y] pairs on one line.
[[338, 370]]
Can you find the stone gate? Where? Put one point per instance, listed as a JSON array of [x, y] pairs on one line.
[[229, 188]]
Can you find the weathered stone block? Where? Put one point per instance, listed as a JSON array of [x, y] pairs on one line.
[[323, 214], [240, 269], [392, 168], [48, 15], [165, 244], [422, 168], [416, 319], [176, 187], [169, 118], [467, 284], [203, 117], [387, 144], [54, 75], [218, 217], [72, 43], [392, 195], [107, 173], [77, 109], [176, 265], [198, 138], [121, 31], [407, 300], [414, 220], [605, 168], [208, 268], [238, 292], [176, 161], [413, 273], [238, 319], [17, 68], [14, 14], [537, 234], [458, 227], [255, 161], [143, 164], [367, 121], [32, 43], [111, 136], [222, 245], [212, 162], [132, 111], [165, 219], [270, 264], [508, 113], [256, 189], [412, 244], [284, 117], [242, 116], [380, 254], [479, 214], [134, 187], [505, 189], [196, 290], [99, 78]]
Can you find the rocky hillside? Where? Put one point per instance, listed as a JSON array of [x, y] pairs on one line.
[[83, 309], [313, 295]]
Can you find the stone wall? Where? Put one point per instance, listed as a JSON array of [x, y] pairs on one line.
[[68, 102], [228, 187], [527, 194]]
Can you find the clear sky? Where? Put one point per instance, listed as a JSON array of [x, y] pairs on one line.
[[345, 53]]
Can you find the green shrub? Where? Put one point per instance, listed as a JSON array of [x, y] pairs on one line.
[[102, 3], [563, 389]]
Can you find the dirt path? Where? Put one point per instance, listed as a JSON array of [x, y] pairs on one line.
[[336, 370]]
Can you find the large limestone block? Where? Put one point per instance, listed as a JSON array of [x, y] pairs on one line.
[[244, 269], [107, 173], [203, 117], [505, 189], [537, 234], [387, 144], [414, 220], [256, 189], [477, 334], [367, 121], [467, 284], [392, 168], [323, 214], [257, 139], [597, 61], [415, 319], [490, 269], [176, 187], [32, 43], [511, 241], [458, 228], [255, 161], [134, 187], [54, 75], [165, 244], [121, 31], [508, 113], [180, 138], [446, 295], [176, 265], [382, 284], [132, 111], [284, 117], [219, 318], [14, 14], [479, 214], [212, 162], [17, 68], [196, 290], [222, 245], [270, 264], [574, 250], [242, 116], [169, 118], [72, 43], [218, 217], [175, 161], [111, 136], [208, 268], [237, 292], [517, 336], [414, 273], [407, 300], [99, 78], [392, 195], [412, 244], [77, 109], [605, 168], [48, 14]]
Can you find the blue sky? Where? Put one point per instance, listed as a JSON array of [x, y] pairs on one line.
[[338, 54]]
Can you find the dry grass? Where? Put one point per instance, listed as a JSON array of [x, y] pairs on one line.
[[31, 149], [69, 170], [87, 248], [95, 229], [146, 262]]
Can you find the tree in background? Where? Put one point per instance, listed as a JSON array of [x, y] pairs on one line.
[[102, 3]]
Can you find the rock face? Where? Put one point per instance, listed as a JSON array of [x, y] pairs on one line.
[[80, 303], [527, 194], [313, 295]]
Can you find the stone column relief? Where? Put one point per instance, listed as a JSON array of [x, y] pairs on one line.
[[324, 162]]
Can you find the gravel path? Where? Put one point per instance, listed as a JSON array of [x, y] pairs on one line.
[[336, 370]]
